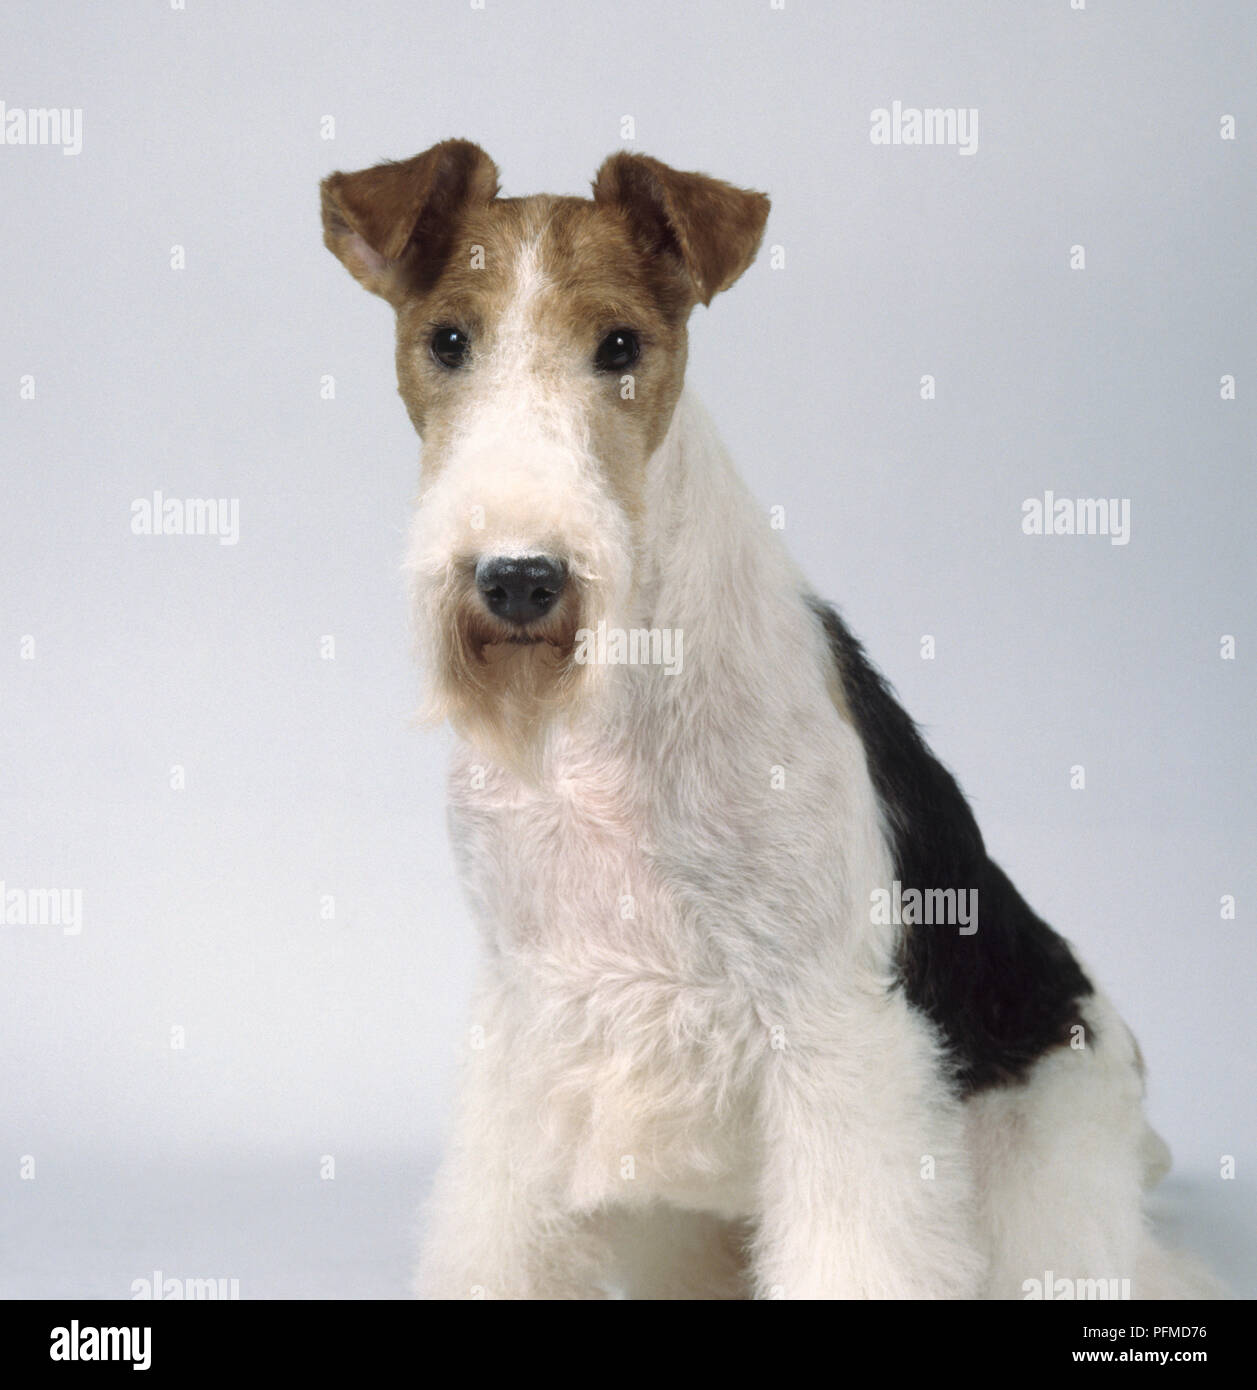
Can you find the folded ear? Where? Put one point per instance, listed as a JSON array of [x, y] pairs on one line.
[[713, 227], [391, 225]]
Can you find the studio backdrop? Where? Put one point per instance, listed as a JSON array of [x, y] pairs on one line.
[[1009, 263]]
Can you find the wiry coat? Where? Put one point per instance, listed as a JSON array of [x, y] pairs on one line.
[[702, 1065]]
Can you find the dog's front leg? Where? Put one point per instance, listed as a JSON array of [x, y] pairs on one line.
[[865, 1189], [497, 1226]]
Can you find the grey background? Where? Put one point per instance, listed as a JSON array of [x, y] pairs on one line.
[[304, 1037]]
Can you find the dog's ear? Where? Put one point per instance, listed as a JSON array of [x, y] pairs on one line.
[[391, 224], [713, 227]]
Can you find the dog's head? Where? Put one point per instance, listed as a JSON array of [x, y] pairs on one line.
[[541, 348]]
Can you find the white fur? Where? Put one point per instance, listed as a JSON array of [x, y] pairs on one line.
[[691, 1053]]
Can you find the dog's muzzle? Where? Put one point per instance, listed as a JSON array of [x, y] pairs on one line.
[[520, 589]]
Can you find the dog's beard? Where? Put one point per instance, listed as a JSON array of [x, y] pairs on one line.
[[507, 689], [504, 688]]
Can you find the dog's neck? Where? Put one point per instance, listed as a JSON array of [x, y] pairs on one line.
[[713, 566], [712, 569]]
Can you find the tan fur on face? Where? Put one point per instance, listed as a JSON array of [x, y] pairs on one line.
[[535, 284], [596, 280], [587, 277]]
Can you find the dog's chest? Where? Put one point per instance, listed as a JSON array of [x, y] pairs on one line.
[[638, 1042], [561, 869]]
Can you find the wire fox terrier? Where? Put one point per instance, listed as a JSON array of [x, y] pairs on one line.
[[757, 1015]]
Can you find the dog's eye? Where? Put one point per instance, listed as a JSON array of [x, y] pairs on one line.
[[618, 350], [450, 347]]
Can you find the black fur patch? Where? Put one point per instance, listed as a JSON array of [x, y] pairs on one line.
[[1009, 992]]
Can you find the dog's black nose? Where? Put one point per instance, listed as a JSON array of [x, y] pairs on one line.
[[520, 589]]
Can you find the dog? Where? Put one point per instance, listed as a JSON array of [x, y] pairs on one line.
[[720, 1048]]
